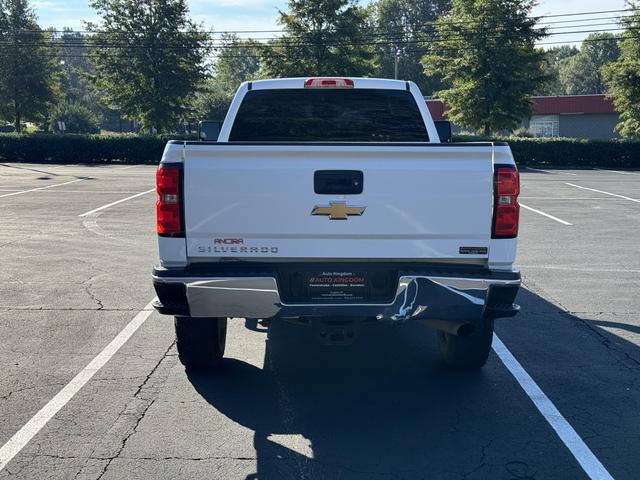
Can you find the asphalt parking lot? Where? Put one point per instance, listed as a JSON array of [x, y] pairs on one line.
[[77, 244]]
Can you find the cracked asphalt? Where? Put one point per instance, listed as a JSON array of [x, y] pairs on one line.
[[285, 407]]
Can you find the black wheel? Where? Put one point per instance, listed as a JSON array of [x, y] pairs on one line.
[[470, 352], [201, 341]]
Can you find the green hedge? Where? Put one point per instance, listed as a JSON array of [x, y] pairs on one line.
[[541, 152], [564, 152], [568, 152], [48, 148]]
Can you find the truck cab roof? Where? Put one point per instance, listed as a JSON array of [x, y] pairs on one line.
[[299, 82]]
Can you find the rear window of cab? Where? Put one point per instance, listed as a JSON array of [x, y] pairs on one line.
[[328, 115]]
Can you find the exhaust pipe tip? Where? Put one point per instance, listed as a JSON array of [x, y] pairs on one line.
[[452, 327], [465, 329]]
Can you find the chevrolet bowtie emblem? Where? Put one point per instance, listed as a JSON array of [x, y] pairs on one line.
[[337, 210]]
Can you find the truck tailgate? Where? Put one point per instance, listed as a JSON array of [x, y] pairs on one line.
[[420, 201]]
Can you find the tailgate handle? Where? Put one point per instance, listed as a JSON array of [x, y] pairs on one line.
[[338, 182]]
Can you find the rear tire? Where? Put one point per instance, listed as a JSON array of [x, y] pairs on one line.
[[201, 341], [470, 352]]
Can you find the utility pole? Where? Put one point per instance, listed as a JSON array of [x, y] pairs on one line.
[[395, 75]]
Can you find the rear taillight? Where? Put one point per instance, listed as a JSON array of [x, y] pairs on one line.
[[328, 83], [169, 205], [506, 211]]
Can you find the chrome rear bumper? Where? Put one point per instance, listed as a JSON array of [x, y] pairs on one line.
[[417, 297]]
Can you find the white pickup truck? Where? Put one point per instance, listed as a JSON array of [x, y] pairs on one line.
[[332, 202]]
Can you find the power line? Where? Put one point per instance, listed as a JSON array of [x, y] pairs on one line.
[[294, 56], [615, 17], [90, 39], [97, 44], [587, 25], [386, 39], [428, 23], [589, 13]]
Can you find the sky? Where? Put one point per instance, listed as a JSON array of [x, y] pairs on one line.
[[263, 14]]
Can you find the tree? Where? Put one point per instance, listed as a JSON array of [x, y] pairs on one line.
[[27, 72], [149, 59], [402, 28], [623, 76], [555, 57], [76, 116], [582, 73], [74, 66], [485, 50], [237, 61], [323, 37]]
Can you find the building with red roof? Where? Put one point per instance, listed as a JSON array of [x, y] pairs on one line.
[[574, 116]]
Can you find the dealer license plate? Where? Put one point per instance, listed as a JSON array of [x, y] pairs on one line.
[[329, 286]]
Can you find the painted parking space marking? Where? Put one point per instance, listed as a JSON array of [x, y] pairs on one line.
[[565, 198], [111, 192], [603, 192], [540, 212], [31, 168], [536, 170], [44, 188], [109, 205], [569, 268], [562, 172], [29, 430], [580, 451], [615, 171]]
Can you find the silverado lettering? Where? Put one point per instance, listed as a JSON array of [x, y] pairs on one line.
[[215, 249]]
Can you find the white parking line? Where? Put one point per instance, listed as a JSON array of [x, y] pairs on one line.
[[562, 172], [581, 452], [42, 188], [115, 203], [18, 441], [555, 199], [546, 215], [580, 269], [115, 192], [127, 168], [602, 191], [615, 171]]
